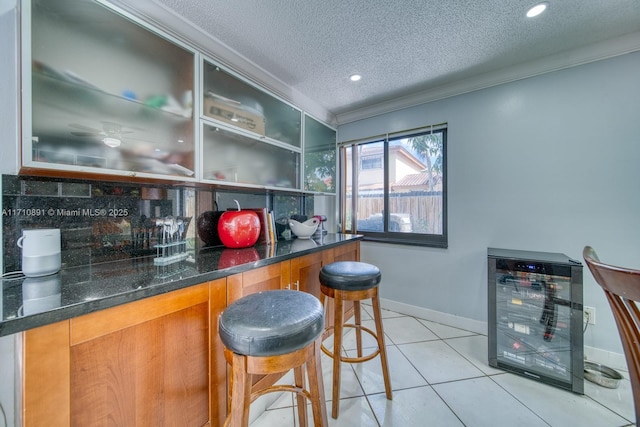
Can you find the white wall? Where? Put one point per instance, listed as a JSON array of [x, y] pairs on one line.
[[550, 163]]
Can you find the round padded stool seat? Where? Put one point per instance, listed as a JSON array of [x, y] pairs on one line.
[[350, 276], [271, 323]]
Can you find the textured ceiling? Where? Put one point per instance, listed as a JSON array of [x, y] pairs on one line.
[[399, 46]]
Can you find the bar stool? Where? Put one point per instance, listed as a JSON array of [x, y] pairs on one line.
[[272, 332], [353, 281]]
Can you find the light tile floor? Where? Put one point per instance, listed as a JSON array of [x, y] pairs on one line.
[[440, 377]]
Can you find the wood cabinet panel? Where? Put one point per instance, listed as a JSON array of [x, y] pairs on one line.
[[46, 376], [103, 322], [347, 252], [260, 279], [305, 271], [217, 362], [149, 374], [146, 363]]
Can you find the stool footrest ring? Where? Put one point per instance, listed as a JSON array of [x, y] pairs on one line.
[[281, 387], [360, 359]]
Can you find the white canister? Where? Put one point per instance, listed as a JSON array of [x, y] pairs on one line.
[[40, 251]]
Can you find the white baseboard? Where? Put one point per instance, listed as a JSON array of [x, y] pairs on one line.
[[607, 358], [435, 316]]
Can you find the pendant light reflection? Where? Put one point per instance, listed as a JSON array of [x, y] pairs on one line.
[[111, 142]]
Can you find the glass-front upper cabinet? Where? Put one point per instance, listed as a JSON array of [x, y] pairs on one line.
[[319, 156], [249, 137], [228, 99], [106, 94], [242, 159]]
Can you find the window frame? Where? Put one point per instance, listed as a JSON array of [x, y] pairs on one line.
[[386, 236]]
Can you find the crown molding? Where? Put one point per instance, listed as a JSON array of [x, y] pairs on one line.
[[596, 52]]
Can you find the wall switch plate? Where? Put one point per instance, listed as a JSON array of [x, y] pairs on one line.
[[590, 315]]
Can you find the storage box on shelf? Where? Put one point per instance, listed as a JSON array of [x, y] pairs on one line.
[[234, 113], [282, 121]]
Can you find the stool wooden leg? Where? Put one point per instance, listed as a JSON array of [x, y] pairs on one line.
[[240, 393], [298, 373], [229, 390], [357, 314], [377, 314], [316, 387], [337, 353]]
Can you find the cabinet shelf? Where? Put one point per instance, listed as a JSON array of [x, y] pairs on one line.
[[77, 98], [70, 121], [233, 157]]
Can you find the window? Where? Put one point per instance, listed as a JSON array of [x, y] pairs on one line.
[[372, 162], [394, 187]]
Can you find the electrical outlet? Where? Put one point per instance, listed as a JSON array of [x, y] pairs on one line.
[[590, 315]]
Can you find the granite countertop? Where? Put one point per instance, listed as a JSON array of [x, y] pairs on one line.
[[32, 302]]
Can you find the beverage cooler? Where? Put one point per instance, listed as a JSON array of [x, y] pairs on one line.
[[535, 316]]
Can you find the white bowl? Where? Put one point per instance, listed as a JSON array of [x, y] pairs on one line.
[[304, 230]]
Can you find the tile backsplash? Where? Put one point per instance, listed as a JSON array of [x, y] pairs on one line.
[[106, 221], [98, 221]]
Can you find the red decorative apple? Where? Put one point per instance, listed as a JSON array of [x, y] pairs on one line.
[[239, 229]]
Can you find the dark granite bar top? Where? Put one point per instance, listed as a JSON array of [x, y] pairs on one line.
[[32, 302]]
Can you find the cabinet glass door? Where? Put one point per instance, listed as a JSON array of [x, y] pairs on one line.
[[319, 156], [228, 99], [234, 157], [107, 93]]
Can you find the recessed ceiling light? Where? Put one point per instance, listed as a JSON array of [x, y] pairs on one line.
[[537, 9], [355, 77]]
